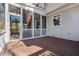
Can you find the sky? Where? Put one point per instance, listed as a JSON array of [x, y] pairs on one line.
[[13, 17]]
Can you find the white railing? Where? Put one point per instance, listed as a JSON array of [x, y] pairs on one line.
[[2, 40]]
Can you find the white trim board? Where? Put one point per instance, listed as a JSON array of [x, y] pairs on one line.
[[34, 37]]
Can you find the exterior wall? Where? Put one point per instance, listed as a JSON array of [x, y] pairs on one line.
[[52, 6], [69, 24]]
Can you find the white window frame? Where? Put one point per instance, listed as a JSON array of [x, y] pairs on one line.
[[33, 29], [21, 22], [15, 14]]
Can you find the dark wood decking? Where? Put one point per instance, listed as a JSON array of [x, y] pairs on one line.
[[45, 46]]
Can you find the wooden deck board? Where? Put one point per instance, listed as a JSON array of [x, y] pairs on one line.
[[45, 46]]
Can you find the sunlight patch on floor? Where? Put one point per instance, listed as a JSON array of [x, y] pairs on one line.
[[47, 53], [19, 48]]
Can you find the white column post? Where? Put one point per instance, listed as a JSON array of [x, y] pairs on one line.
[[40, 25], [7, 23], [32, 24], [21, 25]]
